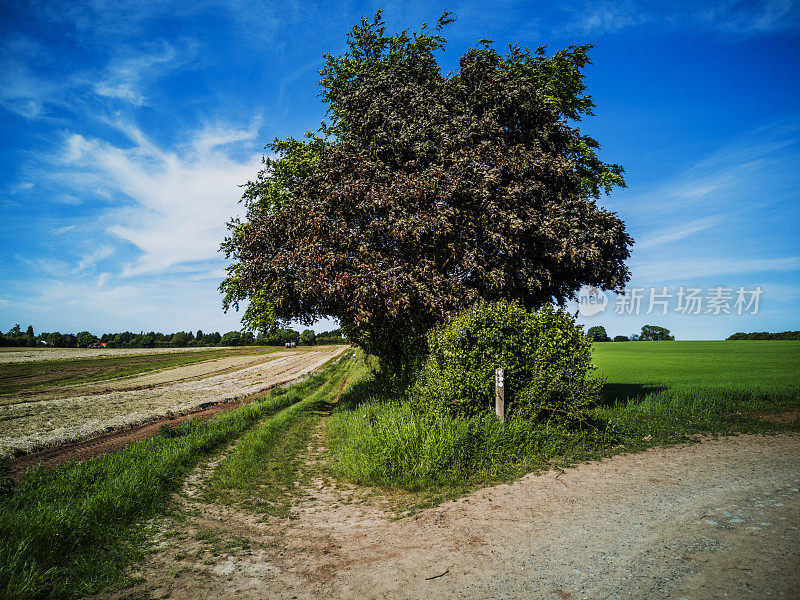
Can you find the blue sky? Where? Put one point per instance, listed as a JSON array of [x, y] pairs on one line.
[[127, 127]]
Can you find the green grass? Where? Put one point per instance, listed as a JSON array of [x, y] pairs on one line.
[[657, 393], [669, 390], [261, 471], [765, 369], [376, 438], [70, 532]]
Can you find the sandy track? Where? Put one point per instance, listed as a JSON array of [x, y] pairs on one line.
[[34, 425], [717, 519]]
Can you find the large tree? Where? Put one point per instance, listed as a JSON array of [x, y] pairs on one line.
[[425, 192], [655, 333], [597, 334]]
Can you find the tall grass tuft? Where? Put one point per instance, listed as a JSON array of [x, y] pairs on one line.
[[389, 443]]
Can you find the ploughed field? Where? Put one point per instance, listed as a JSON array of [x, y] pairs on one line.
[[52, 396], [13, 355]]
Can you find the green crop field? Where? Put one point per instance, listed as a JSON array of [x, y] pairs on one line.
[[655, 393], [769, 370]]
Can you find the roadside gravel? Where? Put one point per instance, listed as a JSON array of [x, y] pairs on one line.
[[717, 519]]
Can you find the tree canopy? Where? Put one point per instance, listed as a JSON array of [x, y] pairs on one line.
[[655, 333], [425, 192], [597, 334]]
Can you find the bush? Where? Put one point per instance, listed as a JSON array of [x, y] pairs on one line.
[[546, 361]]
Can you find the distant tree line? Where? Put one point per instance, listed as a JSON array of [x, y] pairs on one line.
[[181, 339], [765, 335], [649, 333]]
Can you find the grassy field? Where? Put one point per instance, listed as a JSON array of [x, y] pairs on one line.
[[656, 393], [769, 369]]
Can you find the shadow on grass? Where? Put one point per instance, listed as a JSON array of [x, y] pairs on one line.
[[375, 387], [622, 393]]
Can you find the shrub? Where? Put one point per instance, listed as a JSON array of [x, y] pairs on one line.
[[545, 357]]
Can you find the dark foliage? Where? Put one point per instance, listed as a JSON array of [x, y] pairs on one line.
[[764, 335], [654, 333], [181, 339], [597, 334], [429, 192]]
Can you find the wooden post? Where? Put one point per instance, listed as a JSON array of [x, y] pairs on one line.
[[499, 394]]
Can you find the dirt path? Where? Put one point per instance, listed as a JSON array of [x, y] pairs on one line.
[[711, 520], [32, 426]]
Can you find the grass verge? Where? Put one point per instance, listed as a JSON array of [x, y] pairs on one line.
[[375, 437], [71, 531], [261, 471]]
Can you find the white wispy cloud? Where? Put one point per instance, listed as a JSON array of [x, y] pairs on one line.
[[174, 204], [686, 269], [24, 92], [727, 17], [102, 303], [22, 186], [756, 167], [751, 17], [679, 232], [254, 22], [722, 209], [124, 78], [91, 259], [604, 17], [50, 266], [31, 87]]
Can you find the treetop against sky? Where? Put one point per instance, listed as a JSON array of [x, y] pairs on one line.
[[127, 129]]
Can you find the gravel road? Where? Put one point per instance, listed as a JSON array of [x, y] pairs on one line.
[[717, 519]]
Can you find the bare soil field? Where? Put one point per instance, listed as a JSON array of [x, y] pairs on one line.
[[717, 519], [57, 415], [148, 379], [26, 379], [13, 355]]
